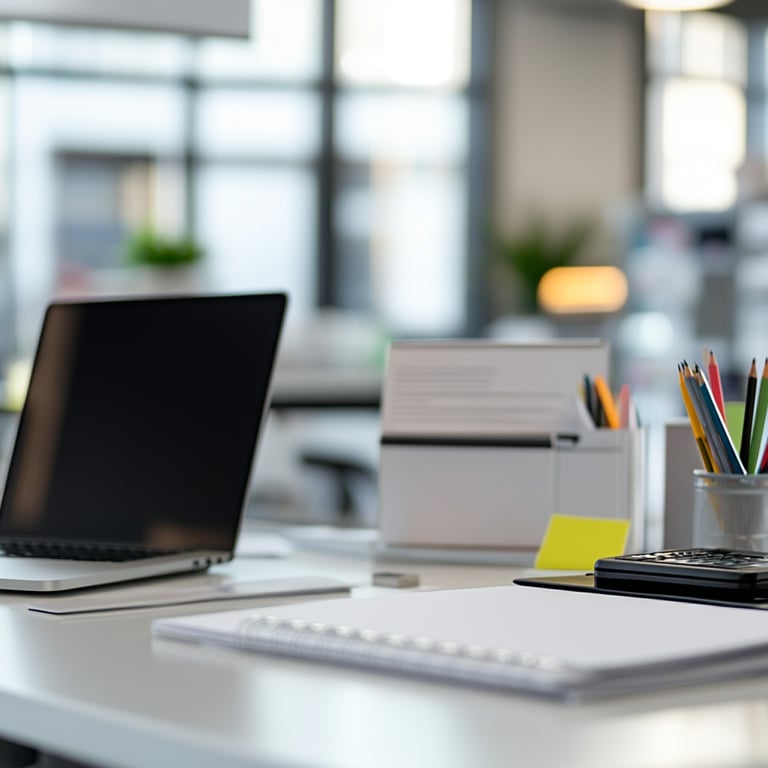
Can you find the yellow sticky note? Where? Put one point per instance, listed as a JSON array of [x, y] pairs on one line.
[[574, 543]]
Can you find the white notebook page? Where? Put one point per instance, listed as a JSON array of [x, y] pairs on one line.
[[582, 630]]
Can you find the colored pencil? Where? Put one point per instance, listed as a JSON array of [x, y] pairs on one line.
[[716, 384], [764, 461], [720, 435], [695, 422], [607, 402], [715, 445], [624, 405], [759, 425], [749, 412]]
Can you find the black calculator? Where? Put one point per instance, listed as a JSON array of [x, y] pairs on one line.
[[698, 572]]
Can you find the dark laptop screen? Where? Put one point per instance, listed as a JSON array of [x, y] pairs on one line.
[[141, 421]]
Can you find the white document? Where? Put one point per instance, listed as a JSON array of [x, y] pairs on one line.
[[477, 388], [512, 637]]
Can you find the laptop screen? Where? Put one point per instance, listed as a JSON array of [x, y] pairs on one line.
[[141, 421]]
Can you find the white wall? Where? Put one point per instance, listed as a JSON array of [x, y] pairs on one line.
[[568, 104]]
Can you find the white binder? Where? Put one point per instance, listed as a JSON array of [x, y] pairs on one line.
[[483, 441]]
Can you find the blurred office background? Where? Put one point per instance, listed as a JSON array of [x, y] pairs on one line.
[[390, 165]]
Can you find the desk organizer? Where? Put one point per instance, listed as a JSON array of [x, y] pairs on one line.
[[475, 458]]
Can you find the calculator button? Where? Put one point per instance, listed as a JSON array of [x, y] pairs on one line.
[[715, 558]]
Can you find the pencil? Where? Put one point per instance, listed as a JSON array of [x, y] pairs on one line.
[[717, 452], [759, 425], [719, 434], [606, 400], [764, 461], [624, 404], [749, 411], [698, 432], [716, 383]]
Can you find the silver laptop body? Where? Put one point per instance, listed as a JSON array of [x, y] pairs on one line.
[[135, 445]]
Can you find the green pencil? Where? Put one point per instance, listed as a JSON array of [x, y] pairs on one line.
[[757, 429]]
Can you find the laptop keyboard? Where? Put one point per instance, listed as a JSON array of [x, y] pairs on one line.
[[64, 551]]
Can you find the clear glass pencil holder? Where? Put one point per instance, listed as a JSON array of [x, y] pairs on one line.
[[730, 511]]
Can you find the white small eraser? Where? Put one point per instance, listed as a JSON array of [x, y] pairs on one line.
[[393, 579]]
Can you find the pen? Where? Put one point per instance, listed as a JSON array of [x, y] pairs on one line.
[[589, 399]]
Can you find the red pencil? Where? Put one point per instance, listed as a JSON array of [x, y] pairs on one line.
[[624, 405], [762, 467], [715, 384]]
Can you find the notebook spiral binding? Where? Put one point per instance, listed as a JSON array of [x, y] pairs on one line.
[[417, 655]]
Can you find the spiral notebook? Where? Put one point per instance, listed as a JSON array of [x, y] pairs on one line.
[[515, 638]]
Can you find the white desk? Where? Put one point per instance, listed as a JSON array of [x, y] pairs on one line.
[[100, 690]]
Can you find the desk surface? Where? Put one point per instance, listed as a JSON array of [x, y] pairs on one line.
[[99, 689]]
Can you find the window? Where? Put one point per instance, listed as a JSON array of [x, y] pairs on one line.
[[696, 110], [329, 155]]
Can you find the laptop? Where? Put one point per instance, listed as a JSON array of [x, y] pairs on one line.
[[135, 445]]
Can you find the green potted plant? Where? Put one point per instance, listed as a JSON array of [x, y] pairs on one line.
[[147, 248], [537, 247]]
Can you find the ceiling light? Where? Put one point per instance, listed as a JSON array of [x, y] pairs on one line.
[[676, 5]]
